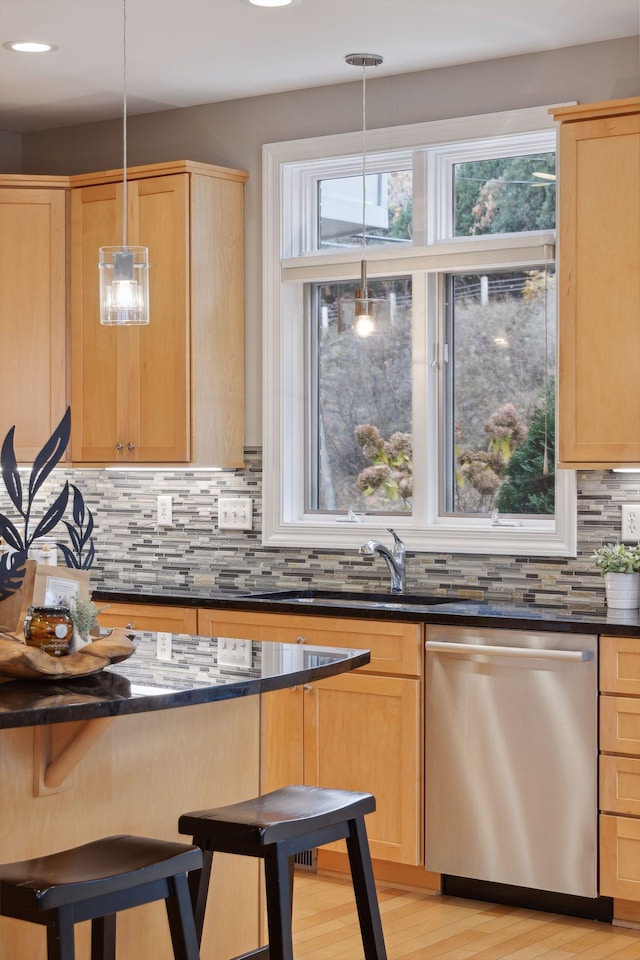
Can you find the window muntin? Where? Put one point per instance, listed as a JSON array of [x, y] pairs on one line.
[[359, 406], [504, 195], [498, 397]]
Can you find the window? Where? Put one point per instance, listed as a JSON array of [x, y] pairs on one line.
[[444, 426]]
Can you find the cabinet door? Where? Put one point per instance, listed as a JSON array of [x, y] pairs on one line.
[[599, 291], [130, 386], [148, 616], [98, 354], [364, 733], [159, 364], [32, 315]]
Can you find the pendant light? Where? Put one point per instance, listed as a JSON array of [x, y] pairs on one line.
[[124, 270], [363, 314]]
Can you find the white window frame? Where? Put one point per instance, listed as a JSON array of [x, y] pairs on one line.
[[286, 267]]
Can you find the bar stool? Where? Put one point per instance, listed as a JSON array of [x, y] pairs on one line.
[[275, 827], [94, 882]]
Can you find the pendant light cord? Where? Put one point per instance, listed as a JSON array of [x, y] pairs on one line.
[[364, 163], [124, 123]]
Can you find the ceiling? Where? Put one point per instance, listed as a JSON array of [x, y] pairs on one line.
[[186, 52]]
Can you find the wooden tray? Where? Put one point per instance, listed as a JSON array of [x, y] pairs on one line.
[[19, 660]]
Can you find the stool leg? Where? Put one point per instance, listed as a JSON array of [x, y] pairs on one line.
[[364, 887], [181, 923], [199, 887], [103, 938], [278, 881], [60, 940]]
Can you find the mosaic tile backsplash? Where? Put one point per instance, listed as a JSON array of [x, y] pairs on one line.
[[192, 556]]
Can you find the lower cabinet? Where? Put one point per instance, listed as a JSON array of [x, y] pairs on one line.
[[356, 731], [620, 773], [149, 616]]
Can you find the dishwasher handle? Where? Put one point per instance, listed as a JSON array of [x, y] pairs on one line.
[[443, 646]]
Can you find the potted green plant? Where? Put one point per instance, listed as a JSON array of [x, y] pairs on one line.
[[620, 566]]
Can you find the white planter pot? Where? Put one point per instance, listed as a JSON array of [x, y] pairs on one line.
[[623, 590]]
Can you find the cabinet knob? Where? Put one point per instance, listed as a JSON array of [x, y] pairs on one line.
[[307, 687], [131, 626], [131, 446], [300, 639], [119, 445]]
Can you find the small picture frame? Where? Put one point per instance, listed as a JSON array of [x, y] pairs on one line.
[[57, 586]]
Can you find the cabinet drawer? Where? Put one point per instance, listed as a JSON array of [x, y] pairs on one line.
[[619, 857], [620, 785], [620, 665], [396, 648], [149, 616], [620, 725]]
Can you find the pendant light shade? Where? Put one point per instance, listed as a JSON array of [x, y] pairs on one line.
[[124, 270], [363, 314]]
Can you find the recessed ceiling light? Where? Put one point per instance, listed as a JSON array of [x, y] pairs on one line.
[[29, 46], [272, 3]]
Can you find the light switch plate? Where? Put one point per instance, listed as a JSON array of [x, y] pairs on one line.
[[234, 513], [233, 652]]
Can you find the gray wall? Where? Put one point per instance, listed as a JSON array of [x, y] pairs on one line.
[[10, 152], [232, 134]]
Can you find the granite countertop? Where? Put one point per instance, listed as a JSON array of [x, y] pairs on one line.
[[144, 683], [407, 607]]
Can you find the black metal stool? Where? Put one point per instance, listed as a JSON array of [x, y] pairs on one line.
[[275, 827], [95, 881]]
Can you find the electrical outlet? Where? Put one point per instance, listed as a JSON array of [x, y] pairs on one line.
[[163, 646], [233, 652], [630, 521], [164, 511], [234, 513]]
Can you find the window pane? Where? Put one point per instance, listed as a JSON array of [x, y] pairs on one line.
[[388, 210], [499, 390], [506, 195], [360, 409]]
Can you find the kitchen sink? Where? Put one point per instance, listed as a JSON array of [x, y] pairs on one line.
[[346, 598]]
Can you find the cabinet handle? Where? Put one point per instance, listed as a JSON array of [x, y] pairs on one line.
[[307, 687], [300, 640], [295, 687], [131, 626], [131, 446], [119, 445]]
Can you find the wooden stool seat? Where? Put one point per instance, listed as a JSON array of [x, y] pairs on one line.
[[275, 827], [94, 882]]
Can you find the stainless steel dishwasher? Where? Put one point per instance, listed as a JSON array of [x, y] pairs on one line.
[[511, 757]]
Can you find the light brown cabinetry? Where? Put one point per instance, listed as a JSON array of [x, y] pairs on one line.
[[33, 308], [599, 284], [361, 732], [172, 391], [620, 773], [149, 616]]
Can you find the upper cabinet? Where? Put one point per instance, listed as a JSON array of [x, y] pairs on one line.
[[33, 308], [599, 284], [172, 391]]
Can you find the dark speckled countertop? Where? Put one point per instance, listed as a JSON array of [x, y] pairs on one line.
[[144, 683], [409, 607]]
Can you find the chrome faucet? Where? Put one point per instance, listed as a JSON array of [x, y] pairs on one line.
[[395, 559]]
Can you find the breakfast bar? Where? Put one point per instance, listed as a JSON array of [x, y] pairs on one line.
[[115, 753]]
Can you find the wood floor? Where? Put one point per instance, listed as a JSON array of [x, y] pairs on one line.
[[418, 926]]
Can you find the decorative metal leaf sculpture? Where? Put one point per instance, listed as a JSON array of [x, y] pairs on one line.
[[13, 566]]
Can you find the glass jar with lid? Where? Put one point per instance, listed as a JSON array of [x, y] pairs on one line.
[[50, 629]]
